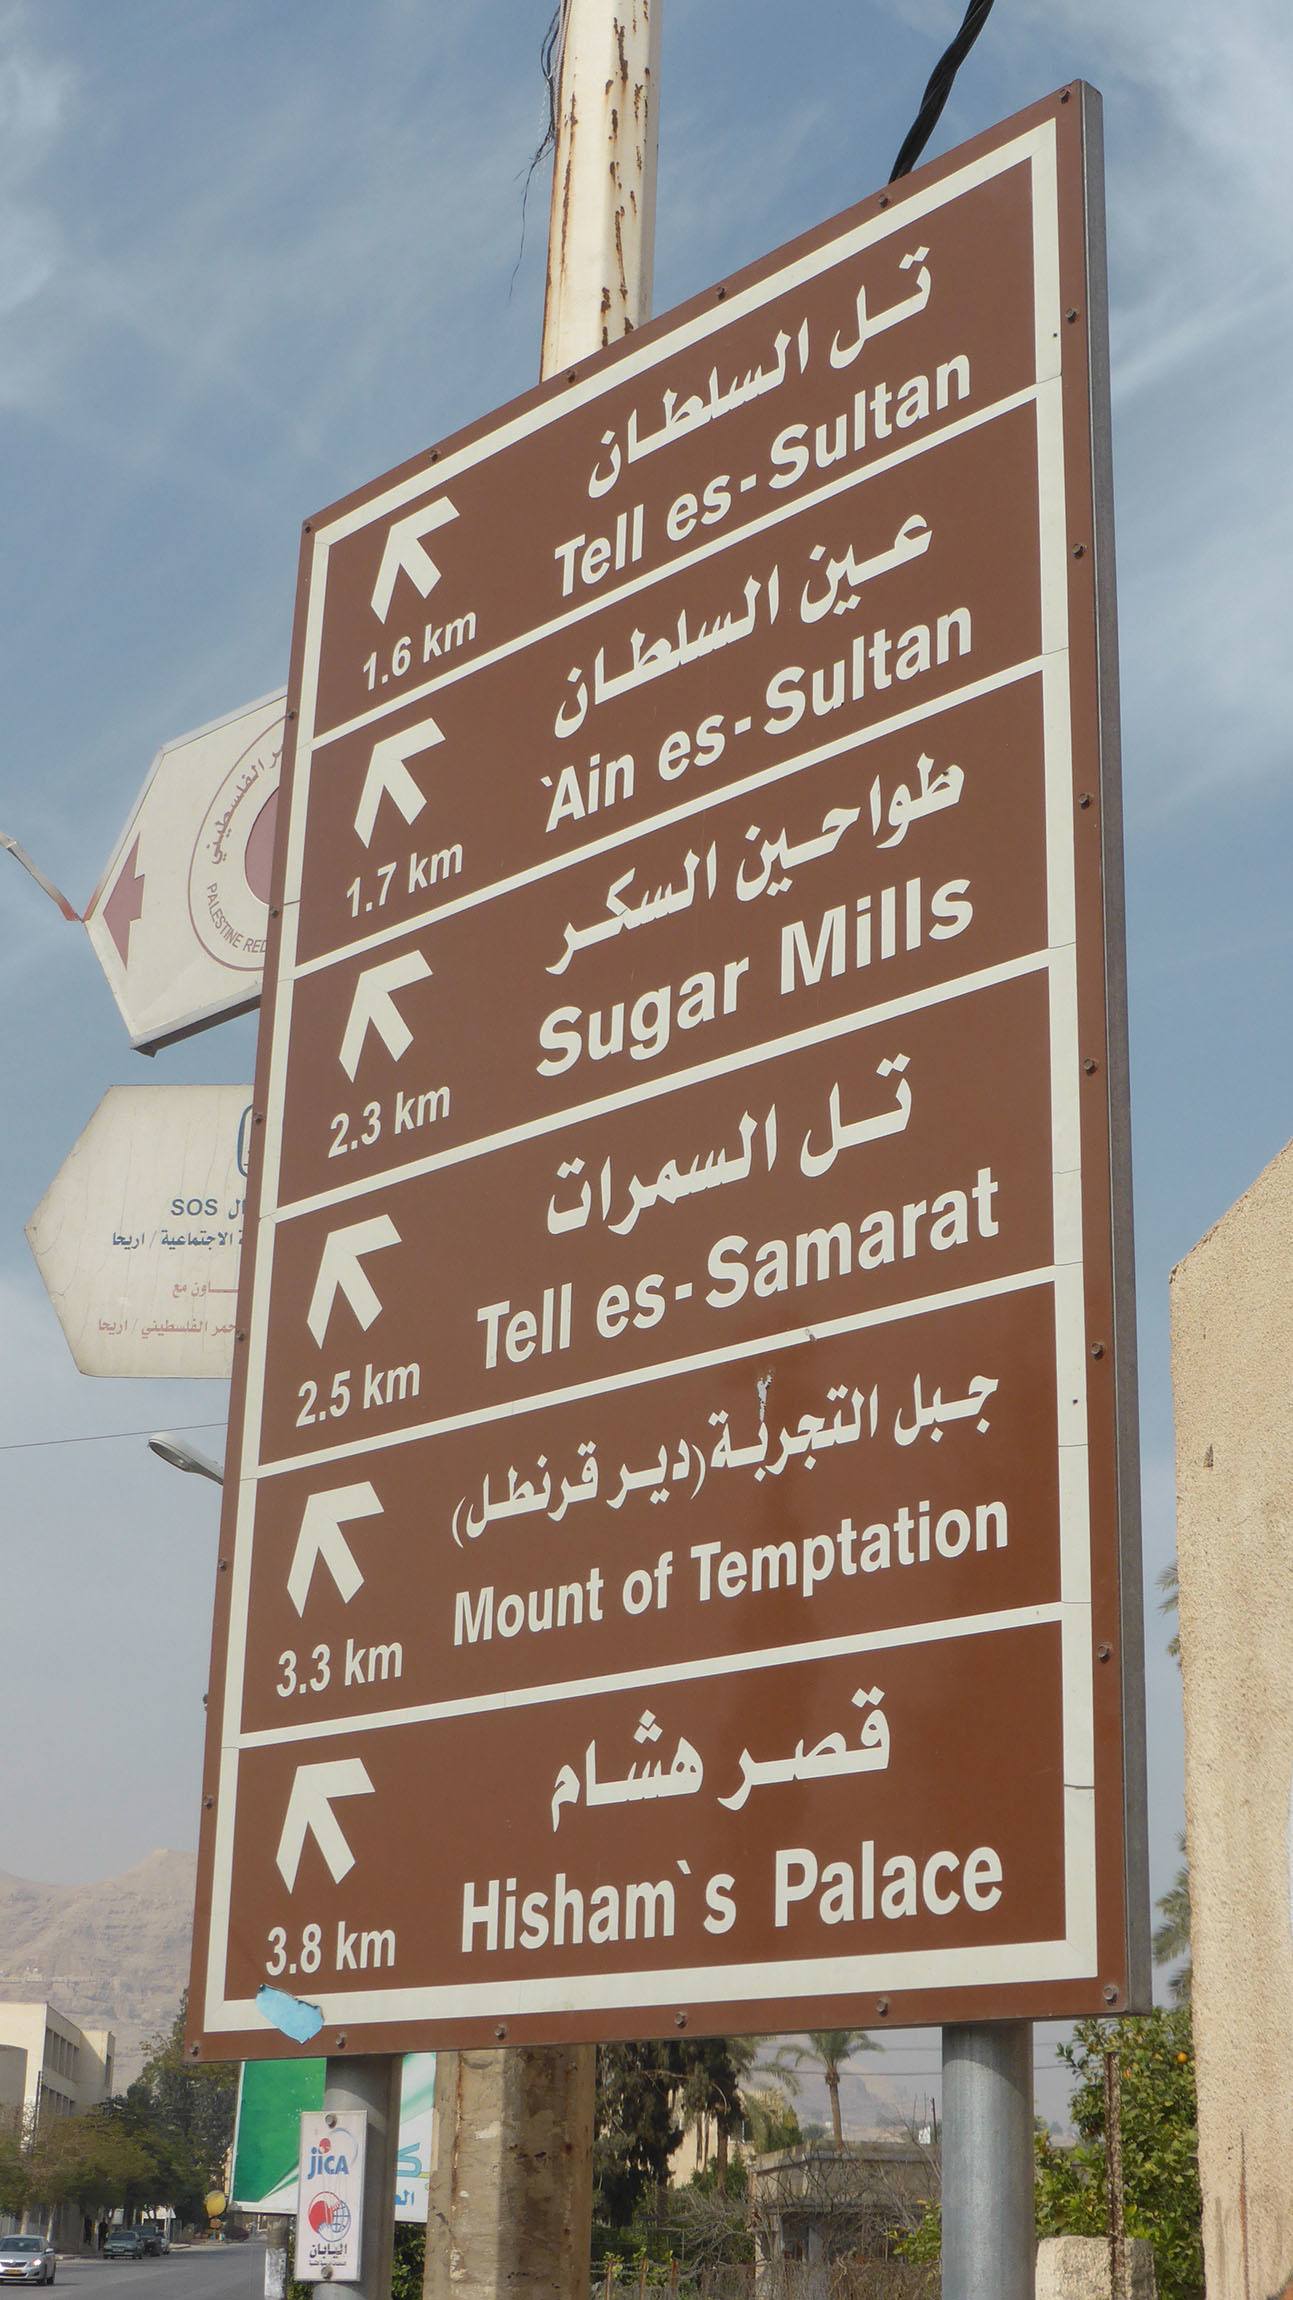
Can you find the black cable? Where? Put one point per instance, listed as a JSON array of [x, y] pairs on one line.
[[98, 1437], [550, 54], [940, 87]]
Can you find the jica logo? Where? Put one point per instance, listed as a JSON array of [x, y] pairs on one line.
[[329, 2159]]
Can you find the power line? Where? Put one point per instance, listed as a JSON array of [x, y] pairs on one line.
[[940, 87], [97, 1437]]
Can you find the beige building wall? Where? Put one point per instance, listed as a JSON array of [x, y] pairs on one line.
[[1232, 1373], [13, 2079], [65, 2070]]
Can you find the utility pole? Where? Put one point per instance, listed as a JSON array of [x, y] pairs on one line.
[[989, 2247], [372, 2083], [512, 2177], [1113, 2176], [601, 230]]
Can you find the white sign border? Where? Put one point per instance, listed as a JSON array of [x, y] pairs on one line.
[[1075, 1956]]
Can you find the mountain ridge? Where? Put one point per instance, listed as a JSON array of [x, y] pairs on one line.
[[112, 1953]]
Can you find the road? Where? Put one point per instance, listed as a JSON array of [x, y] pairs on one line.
[[202, 2272]]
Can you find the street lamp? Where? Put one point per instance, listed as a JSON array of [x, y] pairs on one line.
[[170, 1447]]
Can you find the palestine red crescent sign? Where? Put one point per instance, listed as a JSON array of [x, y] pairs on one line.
[[179, 920], [679, 1555]]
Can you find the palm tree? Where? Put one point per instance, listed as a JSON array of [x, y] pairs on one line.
[[1170, 1603], [829, 2049], [1172, 1937]]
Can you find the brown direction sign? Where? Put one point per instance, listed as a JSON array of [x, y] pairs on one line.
[[679, 1556]]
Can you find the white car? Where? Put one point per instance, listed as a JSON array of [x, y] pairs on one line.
[[27, 2260]]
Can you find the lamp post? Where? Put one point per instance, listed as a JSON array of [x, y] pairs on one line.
[[179, 1454]]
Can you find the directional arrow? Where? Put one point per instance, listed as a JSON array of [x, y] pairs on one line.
[[373, 1007], [403, 553], [388, 776], [309, 1813], [341, 1272], [321, 1537]]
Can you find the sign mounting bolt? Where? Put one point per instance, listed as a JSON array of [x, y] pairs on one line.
[[1104, 1653], [1097, 1349], [1090, 1066], [882, 2004], [680, 2020], [1110, 1993], [501, 2031]]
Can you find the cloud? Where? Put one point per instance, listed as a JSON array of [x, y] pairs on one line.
[[36, 102]]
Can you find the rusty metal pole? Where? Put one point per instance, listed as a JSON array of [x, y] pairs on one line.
[[511, 2181], [601, 234], [1113, 2177]]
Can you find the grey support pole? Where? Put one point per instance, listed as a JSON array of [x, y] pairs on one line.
[[372, 2084], [989, 2247]]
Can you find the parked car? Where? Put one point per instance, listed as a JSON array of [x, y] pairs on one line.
[[125, 2244], [156, 2240], [27, 2260]]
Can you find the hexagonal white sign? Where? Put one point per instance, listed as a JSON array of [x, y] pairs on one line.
[[179, 918], [137, 1237]]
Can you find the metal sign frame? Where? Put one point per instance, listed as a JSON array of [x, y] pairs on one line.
[[1096, 1959]]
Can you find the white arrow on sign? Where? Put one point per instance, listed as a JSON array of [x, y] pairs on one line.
[[341, 1271], [388, 776], [310, 1814], [403, 553], [321, 1537], [373, 1007]]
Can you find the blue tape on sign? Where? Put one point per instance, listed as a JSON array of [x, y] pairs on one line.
[[295, 2018]]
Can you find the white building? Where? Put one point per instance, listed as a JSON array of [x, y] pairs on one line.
[[48, 2066]]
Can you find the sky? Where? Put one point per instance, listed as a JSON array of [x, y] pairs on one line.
[[249, 258]]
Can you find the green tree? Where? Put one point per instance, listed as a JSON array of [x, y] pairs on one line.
[[770, 2121], [635, 2131], [829, 2049], [1159, 2150], [712, 2069], [91, 2161], [192, 2104], [179, 2115], [1159, 2145], [1172, 1936], [15, 2164], [645, 2094], [408, 2263]]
